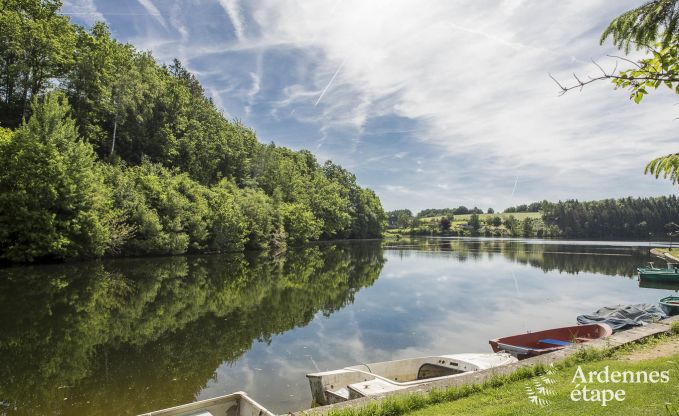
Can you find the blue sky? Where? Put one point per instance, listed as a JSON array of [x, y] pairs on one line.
[[431, 104]]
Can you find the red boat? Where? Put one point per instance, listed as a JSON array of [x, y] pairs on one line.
[[541, 342]]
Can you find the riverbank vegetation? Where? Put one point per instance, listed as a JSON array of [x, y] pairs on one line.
[[103, 151], [624, 218]]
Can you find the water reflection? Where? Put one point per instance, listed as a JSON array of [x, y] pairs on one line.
[[121, 337], [125, 336], [614, 258]]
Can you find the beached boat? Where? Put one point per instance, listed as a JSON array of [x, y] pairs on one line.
[[383, 377], [657, 274], [234, 404], [541, 342], [670, 305]]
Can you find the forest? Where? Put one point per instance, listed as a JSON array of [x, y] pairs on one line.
[[104, 151], [625, 218]]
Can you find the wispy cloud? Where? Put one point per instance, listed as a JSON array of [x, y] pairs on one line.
[[153, 11], [84, 9], [232, 9]]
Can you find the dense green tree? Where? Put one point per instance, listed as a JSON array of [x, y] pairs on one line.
[[474, 222], [400, 218], [631, 218], [533, 207], [512, 224], [369, 218], [37, 48], [527, 227], [641, 27], [259, 213], [300, 223], [53, 200], [461, 210], [444, 224], [173, 214]]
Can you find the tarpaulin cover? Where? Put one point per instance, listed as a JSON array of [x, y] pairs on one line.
[[624, 316]]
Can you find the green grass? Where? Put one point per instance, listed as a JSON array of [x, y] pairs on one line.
[[674, 328], [674, 251], [506, 395], [464, 218], [512, 399]]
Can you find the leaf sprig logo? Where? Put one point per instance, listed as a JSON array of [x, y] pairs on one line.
[[538, 390]]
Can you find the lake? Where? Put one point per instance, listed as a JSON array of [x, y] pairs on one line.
[[120, 337]]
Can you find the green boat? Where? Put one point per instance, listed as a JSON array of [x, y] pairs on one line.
[[657, 274], [670, 305], [652, 284]]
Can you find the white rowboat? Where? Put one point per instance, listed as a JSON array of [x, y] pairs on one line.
[[234, 404], [378, 378]]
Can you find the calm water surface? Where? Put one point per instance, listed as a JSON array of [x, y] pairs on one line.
[[121, 337]]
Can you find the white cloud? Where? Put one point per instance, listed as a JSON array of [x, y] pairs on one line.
[[475, 76], [233, 11], [83, 9], [153, 11]]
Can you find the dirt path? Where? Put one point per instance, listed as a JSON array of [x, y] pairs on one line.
[[664, 349]]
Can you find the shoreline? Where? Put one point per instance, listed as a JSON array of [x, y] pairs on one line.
[[613, 342]]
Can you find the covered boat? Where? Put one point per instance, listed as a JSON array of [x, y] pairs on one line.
[[541, 342], [235, 404], [382, 377], [657, 274], [670, 305], [621, 317]]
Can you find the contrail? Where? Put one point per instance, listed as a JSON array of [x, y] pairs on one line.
[[329, 83], [518, 295], [516, 181], [314, 363]]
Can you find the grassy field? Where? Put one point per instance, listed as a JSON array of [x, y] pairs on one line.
[[511, 395], [673, 251], [460, 221], [464, 218]]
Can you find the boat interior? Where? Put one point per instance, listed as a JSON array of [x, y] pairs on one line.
[[235, 404], [376, 378]]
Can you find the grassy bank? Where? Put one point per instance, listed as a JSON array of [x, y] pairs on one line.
[[674, 252], [552, 388]]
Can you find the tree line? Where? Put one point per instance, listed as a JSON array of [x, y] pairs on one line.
[[624, 218], [103, 151]]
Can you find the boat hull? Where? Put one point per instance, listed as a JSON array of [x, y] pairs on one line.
[[235, 404], [654, 274], [371, 379], [670, 305], [550, 340]]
